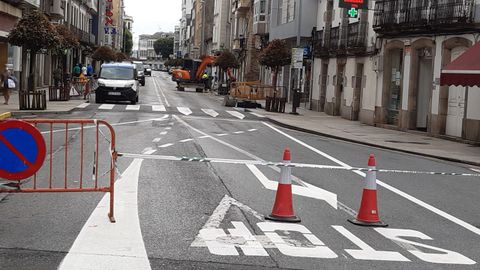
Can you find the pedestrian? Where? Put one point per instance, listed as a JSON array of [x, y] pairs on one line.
[[89, 70], [7, 82], [205, 80], [76, 70], [57, 76]]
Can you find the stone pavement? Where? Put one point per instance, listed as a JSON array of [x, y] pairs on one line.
[[354, 131], [53, 107]]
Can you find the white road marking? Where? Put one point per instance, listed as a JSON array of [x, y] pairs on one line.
[[204, 137], [163, 133], [168, 128], [385, 185], [210, 112], [236, 114], [442, 257], [239, 132], [310, 192], [184, 110], [166, 145], [475, 170], [106, 106], [258, 115], [83, 106], [186, 140], [133, 108], [157, 140], [366, 252], [222, 135], [314, 192], [159, 108], [103, 245], [159, 89], [253, 129]]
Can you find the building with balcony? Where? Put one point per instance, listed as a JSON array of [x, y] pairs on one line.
[[186, 28], [221, 25], [176, 42], [417, 39]]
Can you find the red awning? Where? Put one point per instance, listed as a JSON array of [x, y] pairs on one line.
[[465, 70]]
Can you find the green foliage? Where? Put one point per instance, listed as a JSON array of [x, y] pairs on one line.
[[128, 42], [174, 62], [67, 40], [275, 55], [164, 47], [104, 54], [34, 32], [226, 60]]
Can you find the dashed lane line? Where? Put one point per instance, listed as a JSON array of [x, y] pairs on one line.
[[133, 108], [83, 106], [159, 108], [166, 145], [184, 110], [210, 112], [236, 114], [106, 107]]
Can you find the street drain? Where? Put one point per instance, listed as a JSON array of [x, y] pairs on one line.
[[421, 143]]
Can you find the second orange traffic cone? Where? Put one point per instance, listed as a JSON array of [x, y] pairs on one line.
[[283, 207], [368, 213]]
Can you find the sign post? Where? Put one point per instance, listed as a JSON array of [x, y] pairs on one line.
[[22, 149]]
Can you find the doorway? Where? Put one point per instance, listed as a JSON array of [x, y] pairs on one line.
[[456, 103], [395, 86], [357, 92], [339, 93], [424, 86]]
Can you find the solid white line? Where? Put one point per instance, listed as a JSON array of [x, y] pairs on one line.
[[385, 185], [133, 108], [166, 145], [163, 94], [159, 108], [83, 106], [258, 115], [210, 112], [221, 135], [204, 137], [156, 92], [475, 170], [186, 140], [236, 114], [184, 110], [239, 132], [106, 106], [103, 245]]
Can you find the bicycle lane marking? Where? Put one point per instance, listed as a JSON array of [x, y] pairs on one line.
[[411, 198], [105, 245]]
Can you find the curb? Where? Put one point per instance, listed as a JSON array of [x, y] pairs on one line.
[[29, 113], [6, 115], [276, 122]]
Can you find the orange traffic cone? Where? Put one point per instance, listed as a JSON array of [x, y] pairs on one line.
[[368, 213], [283, 208]]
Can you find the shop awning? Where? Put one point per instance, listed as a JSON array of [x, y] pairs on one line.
[[465, 70]]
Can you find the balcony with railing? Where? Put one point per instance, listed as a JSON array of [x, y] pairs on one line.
[[406, 17], [357, 37], [240, 5]]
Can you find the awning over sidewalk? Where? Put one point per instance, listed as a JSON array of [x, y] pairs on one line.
[[465, 70]]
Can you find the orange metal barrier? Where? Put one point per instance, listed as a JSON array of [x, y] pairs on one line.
[[67, 156]]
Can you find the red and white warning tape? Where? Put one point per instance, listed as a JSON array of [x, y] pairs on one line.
[[291, 165]]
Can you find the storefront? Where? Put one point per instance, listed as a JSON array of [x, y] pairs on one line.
[[9, 15]]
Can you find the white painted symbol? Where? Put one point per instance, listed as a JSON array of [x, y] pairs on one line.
[[106, 106], [236, 114], [445, 257], [319, 250], [184, 110], [210, 112], [366, 252], [309, 191], [159, 108], [133, 108], [83, 106]]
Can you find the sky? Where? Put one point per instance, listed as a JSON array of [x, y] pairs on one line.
[[150, 16]]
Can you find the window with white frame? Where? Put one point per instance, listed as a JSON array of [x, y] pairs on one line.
[[260, 11]]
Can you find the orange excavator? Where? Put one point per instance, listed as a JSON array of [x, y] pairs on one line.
[[191, 74]]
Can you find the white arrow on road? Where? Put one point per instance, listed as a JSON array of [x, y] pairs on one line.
[[184, 110], [236, 114], [210, 112]]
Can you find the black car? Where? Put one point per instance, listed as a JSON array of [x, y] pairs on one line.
[[140, 72], [148, 70]]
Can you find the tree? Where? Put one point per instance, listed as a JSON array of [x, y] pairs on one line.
[[67, 40], [35, 33], [276, 55], [128, 42], [225, 61], [120, 56], [104, 54], [164, 47]]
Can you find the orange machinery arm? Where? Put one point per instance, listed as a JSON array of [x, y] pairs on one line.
[[207, 60]]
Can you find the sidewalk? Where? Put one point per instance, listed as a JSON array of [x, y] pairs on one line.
[[53, 107], [354, 131]]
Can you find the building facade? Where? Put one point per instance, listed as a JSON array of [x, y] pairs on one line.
[[186, 28], [10, 13]]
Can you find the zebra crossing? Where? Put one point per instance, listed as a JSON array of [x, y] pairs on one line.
[[173, 110]]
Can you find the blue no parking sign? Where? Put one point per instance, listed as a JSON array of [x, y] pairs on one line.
[[22, 150]]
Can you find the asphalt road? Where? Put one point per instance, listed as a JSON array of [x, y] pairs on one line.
[[191, 215]]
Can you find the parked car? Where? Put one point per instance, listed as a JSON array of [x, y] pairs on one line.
[[140, 72], [117, 82], [148, 70]]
